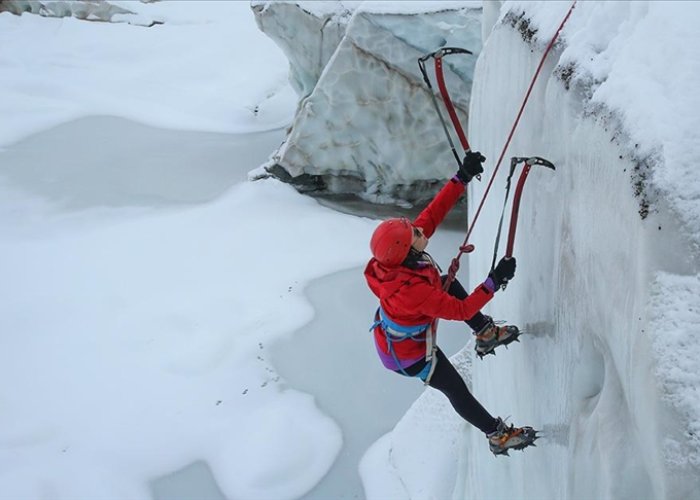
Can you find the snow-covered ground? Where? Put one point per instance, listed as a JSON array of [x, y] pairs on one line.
[[142, 276], [157, 337]]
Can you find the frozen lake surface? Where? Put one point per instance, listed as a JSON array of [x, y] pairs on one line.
[[113, 162]]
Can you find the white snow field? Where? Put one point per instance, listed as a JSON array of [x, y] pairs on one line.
[[170, 329], [142, 275]]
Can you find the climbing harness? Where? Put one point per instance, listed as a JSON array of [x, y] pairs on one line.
[[466, 247], [394, 332]]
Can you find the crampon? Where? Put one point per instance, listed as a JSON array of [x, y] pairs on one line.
[[507, 438], [491, 336]]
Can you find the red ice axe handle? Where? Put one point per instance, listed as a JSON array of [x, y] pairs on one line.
[[516, 208], [438, 55], [529, 162], [440, 77]]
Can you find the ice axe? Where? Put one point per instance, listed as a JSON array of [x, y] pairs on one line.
[[440, 77], [514, 161], [437, 56]]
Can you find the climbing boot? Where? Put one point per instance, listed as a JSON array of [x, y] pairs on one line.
[[491, 336], [506, 438]]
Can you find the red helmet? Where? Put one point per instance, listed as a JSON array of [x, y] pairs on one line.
[[391, 241]]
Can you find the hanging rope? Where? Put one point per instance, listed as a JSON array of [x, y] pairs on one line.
[[454, 266]]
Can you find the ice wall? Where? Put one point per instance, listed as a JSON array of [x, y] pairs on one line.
[[597, 242], [583, 373], [365, 123]]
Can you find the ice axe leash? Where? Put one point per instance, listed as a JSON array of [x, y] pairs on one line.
[[514, 161]]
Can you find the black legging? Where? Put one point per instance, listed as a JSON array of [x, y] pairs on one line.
[[447, 379]]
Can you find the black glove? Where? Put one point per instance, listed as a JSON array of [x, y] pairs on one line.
[[471, 166], [503, 272]]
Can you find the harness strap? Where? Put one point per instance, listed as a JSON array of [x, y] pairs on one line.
[[402, 332], [430, 351], [390, 345]]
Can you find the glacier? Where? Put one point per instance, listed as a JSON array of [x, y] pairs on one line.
[[145, 282], [608, 245]]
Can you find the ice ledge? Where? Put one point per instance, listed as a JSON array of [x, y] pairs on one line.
[[86, 10]]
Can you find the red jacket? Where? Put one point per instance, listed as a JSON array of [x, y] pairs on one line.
[[415, 296]]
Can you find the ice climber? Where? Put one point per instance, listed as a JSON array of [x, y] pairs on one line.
[[409, 286]]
